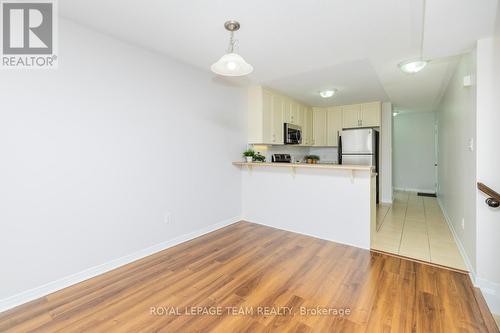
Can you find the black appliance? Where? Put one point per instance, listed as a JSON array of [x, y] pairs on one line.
[[293, 134], [282, 158]]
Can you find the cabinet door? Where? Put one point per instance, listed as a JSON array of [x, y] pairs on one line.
[[267, 117], [310, 125], [334, 125], [351, 116], [277, 120], [287, 110], [301, 115], [319, 126], [370, 114], [294, 113]]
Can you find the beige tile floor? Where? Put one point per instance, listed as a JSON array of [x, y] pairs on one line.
[[415, 227]]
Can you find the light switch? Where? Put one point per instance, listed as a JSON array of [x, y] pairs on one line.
[[470, 144], [467, 81]]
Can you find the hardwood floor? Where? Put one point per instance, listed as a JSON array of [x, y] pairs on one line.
[[261, 279]]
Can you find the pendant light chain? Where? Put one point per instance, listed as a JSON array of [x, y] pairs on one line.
[[423, 28]]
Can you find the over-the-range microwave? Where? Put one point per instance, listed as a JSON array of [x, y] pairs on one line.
[[293, 134]]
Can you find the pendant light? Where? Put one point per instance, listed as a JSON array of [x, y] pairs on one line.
[[416, 65], [231, 64]]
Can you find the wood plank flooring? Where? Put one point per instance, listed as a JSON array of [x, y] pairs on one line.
[[261, 280]]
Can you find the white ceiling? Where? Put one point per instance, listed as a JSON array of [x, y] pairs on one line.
[[300, 47]]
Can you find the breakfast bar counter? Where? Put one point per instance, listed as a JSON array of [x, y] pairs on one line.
[[328, 201], [306, 165]]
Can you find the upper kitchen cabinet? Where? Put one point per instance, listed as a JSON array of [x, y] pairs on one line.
[[334, 125], [308, 127], [361, 115], [371, 114], [319, 127], [327, 125], [351, 116], [265, 117], [277, 113], [268, 111]]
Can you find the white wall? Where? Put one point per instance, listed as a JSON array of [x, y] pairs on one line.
[[95, 153], [456, 162], [488, 167], [385, 176], [414, 151]]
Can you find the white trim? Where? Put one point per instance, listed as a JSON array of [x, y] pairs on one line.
[[460, 246], [491, 293], [32, 294], [490, 290], [431, 191], [306, 234]]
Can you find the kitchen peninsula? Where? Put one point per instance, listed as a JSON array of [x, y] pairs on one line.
[[313, 199]]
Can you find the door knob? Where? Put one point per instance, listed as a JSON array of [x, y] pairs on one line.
[[492, 203]]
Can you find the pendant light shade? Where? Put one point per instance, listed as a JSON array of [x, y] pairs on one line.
[[413, 66], [231, 64], [416, 65]]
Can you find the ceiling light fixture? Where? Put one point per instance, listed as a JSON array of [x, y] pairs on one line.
[[412, 66], [416, 65], [231, 64], [327, 93]]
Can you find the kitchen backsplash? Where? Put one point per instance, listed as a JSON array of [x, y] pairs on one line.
[[326, 155]]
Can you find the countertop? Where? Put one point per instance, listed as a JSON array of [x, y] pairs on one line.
[[308, 166]]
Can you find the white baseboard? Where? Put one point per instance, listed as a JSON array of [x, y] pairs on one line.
[[490, 290], [491, 293], [420, 190], [67, 281], [461, 248], [309, 235]]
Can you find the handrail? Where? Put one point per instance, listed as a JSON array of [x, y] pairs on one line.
[[494, 197]]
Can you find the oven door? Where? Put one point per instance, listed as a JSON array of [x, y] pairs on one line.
[[293, 134]]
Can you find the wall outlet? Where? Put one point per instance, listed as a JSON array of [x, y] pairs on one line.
[[463, 224], [168, 217]]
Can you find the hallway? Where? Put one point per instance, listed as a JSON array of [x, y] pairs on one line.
[[415, 227]]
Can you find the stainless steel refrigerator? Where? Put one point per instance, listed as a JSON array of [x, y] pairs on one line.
[[360, 147]]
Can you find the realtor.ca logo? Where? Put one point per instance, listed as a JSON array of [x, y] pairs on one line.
[[28, 34]]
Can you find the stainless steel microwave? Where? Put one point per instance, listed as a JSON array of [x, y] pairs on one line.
[[293, 134]]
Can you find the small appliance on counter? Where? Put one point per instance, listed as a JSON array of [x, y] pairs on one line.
[[282, 158]]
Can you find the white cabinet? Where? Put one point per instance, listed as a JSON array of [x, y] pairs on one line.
[[327, 124], [319, 127], [268, 111], [334, 125], [308, 127], [361, 115], [351, 116], [371, 114], [287, 109], [277, 119], [265, 117]]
